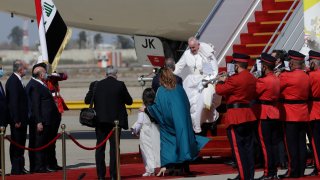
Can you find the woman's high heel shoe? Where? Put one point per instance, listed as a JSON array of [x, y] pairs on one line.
[[162, 171]]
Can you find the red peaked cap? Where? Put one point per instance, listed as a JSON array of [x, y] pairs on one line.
[[267, 58], [237, 57], [314, 55], [295, 55]]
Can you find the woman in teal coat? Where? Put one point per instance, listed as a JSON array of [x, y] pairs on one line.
[[178, 143]]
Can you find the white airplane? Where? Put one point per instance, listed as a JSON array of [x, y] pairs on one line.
[[170, 19]]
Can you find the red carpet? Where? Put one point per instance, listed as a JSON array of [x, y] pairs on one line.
[[128, 171], [132, 171]]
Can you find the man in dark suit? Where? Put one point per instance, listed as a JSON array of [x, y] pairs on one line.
[[18, 115], [169, 63], [43, 112], [3, 104], [110, 98]]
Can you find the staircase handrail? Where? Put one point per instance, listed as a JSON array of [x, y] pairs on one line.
[[302, 32], [240, 26], [279, 26], [209, 18]]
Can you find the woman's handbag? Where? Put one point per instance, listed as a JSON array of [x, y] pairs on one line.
[[88, 115]]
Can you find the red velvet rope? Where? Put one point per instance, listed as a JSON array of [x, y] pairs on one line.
[[91, 148], [33, 149]]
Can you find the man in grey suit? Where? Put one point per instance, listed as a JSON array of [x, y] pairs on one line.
[[18, 115]]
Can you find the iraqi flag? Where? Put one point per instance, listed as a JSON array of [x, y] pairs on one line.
[[53, 32]]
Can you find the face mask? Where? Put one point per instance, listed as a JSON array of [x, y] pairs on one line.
[[45, 76], [1, 73]]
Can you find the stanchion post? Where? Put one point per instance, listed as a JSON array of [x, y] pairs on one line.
[[117, 138], [64, 164], [3, 168]]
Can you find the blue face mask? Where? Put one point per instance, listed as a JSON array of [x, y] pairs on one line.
[[1, 73]]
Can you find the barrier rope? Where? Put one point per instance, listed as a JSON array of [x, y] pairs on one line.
[[33, 149], [91, 148]]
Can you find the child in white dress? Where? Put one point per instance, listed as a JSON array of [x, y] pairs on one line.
[[149, 136]]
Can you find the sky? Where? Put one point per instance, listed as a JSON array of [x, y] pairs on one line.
[[7, 23]]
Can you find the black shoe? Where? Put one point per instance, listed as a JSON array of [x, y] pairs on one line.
[[24, 171], [56, 167], [50, 169], [268, 177], [236, 178], [41, 171], [313, 173], [101, 178]]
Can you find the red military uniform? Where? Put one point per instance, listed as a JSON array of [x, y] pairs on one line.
[[239, 91], [315, 95], [294, 86], [53, 85], [294, 94], [239, 88], [314, 108], [269, 126], [268, 89]]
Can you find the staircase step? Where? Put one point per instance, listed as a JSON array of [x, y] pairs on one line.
[[250, 38], [240, 48], [276, 5], [266, 26], [218, 142], [266, 16], [223, 152], [221, 130]]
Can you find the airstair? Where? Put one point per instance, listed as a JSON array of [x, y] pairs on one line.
[[265, 25]]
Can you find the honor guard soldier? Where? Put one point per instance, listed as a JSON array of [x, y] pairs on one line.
[[294, 94], [269, 127], [239, 91], [314, 74], [53, 86]]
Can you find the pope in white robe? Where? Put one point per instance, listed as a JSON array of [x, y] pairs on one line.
[[198, 63]]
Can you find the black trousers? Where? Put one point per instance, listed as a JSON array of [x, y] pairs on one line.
[[19, 135], [315, 141], [270, 135], [51, 158], [38, 159], [295, 140], [242, 136], [102, 131]]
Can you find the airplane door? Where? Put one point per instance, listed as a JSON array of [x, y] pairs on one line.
[[149, 50]]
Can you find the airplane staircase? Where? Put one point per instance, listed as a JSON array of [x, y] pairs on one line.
[[260, 31], [252, 43]]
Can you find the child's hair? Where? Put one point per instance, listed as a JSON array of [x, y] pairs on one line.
[[148, 96]]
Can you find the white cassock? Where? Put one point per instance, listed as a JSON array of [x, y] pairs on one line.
[[193, 69], [149, 141]]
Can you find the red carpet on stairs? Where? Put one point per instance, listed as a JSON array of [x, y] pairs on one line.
[[252, 43]]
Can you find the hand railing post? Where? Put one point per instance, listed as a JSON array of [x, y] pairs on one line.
[[117, 139], [64, 164], [3, 168]]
